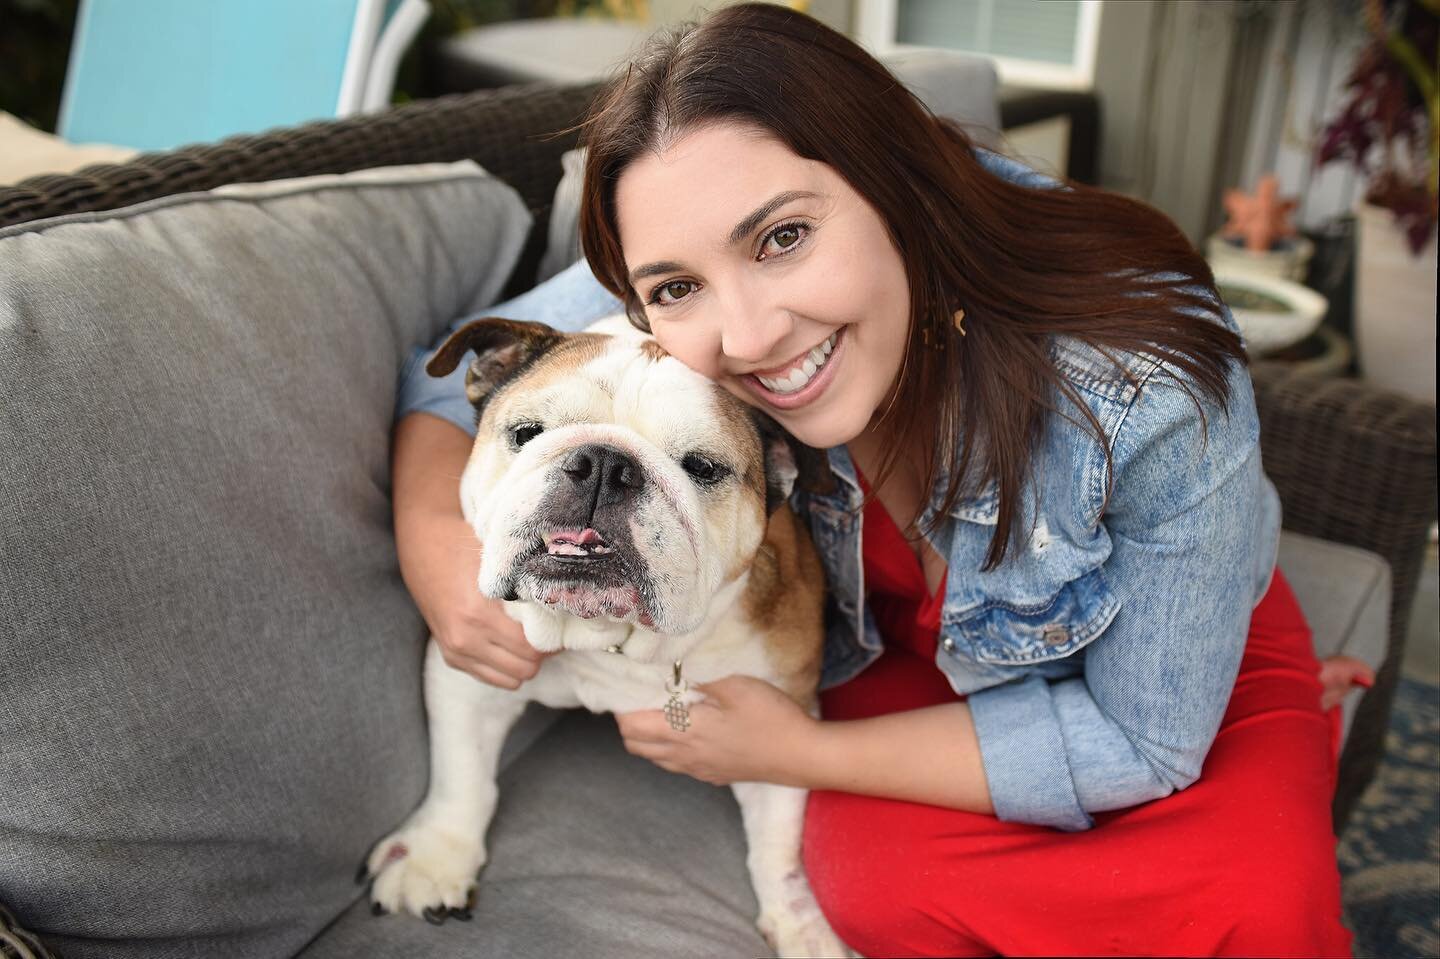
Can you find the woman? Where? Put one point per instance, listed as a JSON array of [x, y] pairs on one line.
[[1039, 415]]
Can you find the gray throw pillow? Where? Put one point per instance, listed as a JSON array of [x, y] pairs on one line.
[[209, 666]]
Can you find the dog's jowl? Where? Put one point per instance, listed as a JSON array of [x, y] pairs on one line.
[[632, 514]]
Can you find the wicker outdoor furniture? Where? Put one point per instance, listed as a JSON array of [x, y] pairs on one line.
[[1353, 465]]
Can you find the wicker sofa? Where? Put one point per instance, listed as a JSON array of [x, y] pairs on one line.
[[1353, 466]]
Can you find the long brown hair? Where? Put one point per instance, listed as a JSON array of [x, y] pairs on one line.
[[1024, 264]]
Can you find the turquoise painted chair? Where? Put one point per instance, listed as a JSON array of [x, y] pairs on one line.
[[157, 74]]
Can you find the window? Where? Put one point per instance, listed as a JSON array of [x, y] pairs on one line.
[[1033, 42]]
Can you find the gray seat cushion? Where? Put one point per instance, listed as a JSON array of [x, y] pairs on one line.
[[1344, 593], [593, 852], [209, 704]]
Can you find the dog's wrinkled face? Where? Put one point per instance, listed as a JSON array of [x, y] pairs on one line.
[[607, 479]]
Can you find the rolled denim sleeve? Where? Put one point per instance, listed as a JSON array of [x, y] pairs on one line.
[[1193, 526], [569, 301]]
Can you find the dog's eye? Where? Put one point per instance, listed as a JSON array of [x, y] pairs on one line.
[[524, 433], [702, 469]]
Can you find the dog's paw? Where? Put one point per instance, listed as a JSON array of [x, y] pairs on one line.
[[800, 930], [425, 870]]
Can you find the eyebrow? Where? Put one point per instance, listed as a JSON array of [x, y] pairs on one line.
[[748, 225], [742, 230]]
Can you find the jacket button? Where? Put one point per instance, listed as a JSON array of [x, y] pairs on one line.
[[947, 644], [1056, 635]]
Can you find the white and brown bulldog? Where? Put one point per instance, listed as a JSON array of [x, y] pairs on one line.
[[632, 516]]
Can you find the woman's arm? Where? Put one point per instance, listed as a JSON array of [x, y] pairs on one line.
[[1191, 528], [440, 556], [748, 731]]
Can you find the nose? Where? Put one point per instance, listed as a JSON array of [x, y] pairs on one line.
[[603, 475], [750, 330]]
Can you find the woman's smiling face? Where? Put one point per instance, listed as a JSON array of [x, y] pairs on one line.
[[768, 273]]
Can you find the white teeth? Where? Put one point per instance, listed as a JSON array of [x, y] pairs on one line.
[[796, 379]]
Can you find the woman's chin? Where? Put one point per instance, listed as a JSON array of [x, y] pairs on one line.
[[819, 426], [822, 430]]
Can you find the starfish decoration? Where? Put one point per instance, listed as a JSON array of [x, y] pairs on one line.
[[1260, 218]]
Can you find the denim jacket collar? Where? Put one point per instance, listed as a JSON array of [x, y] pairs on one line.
[[981, 507]]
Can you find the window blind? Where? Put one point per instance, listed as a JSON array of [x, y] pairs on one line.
[[1037, 30]]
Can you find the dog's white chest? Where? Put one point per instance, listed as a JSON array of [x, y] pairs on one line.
[[604, 682], [600, 682]]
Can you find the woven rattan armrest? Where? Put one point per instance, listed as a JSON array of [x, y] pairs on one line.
[[516, 133], [1355, 465]]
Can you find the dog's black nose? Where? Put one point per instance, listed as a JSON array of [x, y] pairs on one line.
[[607, 475]]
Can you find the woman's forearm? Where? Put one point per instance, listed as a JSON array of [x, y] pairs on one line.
[[427, 458], [928, 755]]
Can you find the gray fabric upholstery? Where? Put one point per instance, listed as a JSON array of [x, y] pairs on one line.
[[595, 853], [209, 704], [1344, 593]]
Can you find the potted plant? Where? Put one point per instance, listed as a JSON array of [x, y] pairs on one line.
[[1389, 128], [1274, 313], [1258, 236]]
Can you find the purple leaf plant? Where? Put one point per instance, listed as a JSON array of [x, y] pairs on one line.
[[1389, 124]]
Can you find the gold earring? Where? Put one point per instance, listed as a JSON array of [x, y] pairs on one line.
[[960, 322]]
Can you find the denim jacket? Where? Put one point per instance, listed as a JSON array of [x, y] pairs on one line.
[[1099, 657]]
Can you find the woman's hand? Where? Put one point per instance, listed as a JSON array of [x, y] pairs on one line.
[[440, 557], [746, 730], [474, 632], [1339, 675]]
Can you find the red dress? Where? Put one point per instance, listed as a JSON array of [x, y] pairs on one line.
[[1242, 863]]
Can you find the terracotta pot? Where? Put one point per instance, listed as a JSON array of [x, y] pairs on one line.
[[1394, 306]]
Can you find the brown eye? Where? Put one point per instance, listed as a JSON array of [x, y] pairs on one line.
[[782, 239], [668, 294]]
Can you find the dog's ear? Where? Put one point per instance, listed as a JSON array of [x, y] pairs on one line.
[[789, 463], [503, 348]]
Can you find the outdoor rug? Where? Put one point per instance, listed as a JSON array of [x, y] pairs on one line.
[[1390, 852]]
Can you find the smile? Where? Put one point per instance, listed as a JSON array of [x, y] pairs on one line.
[[793, 377]]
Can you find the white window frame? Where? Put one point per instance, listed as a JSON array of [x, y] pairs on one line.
[[876, 21]]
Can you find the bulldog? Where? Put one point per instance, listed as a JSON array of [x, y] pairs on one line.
[[633, 516]]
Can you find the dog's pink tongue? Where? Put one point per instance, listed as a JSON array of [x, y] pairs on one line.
[[569, 542]]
